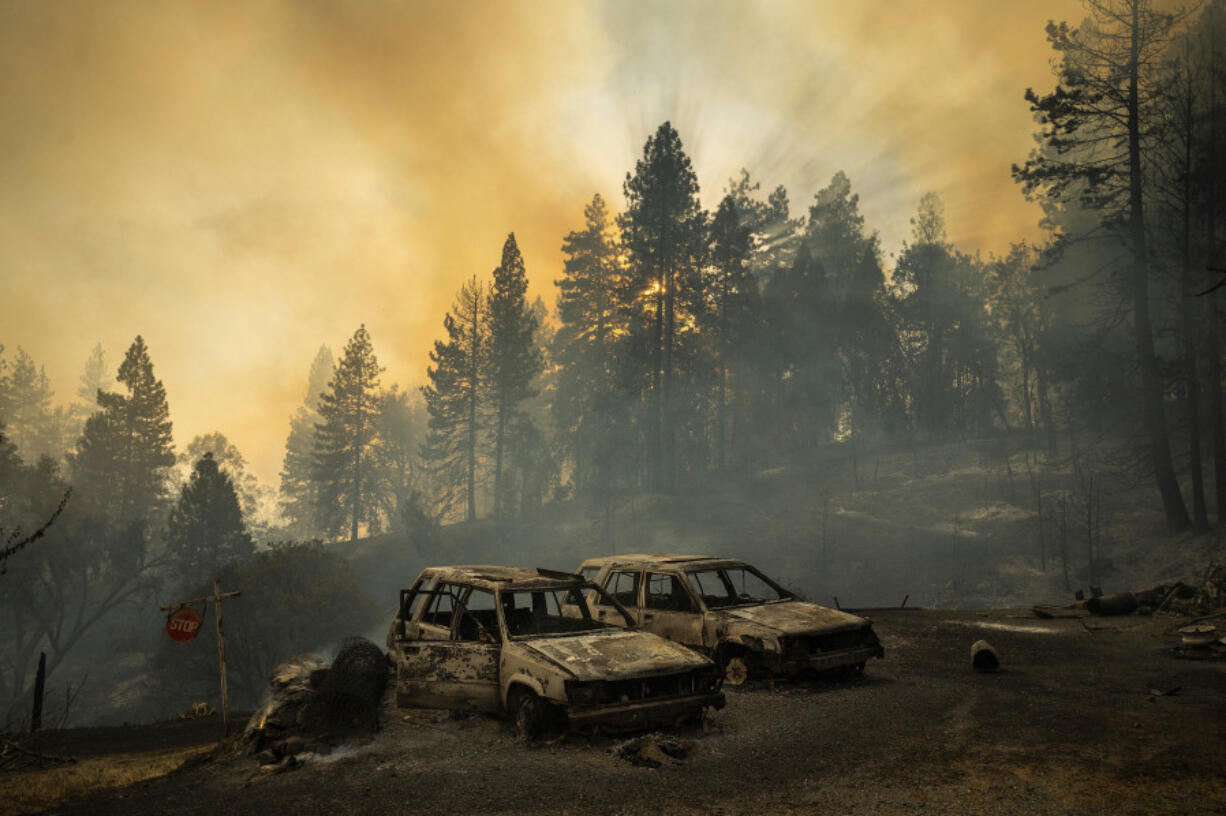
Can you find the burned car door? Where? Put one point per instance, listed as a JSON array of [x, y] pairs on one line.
[[669, 609], [623, 585], [460, 672]]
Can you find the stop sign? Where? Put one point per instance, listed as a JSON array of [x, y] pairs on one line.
[[183, 625]]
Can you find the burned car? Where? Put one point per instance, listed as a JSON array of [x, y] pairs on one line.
[[522, 641], [729, 610]]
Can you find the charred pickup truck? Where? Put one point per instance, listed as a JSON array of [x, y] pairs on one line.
[[523, 642], [731, 611]]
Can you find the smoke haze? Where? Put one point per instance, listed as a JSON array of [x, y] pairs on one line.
[[240, 182]]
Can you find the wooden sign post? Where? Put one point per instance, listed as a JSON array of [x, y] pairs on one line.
[[216, 598]]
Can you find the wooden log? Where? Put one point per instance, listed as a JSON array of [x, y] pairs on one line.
[[1123, 603], [984, 657]]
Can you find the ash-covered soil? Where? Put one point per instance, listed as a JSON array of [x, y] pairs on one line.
[[1068, 726]]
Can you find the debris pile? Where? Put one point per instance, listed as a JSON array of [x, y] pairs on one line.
[[1207, 598], [347, 700], [312, 706], [652, 751]]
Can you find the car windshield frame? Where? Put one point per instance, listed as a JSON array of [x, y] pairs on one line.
[[579, 590], [726, 582]]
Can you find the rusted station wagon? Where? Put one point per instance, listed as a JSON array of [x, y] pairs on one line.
[[498, 639], [731, 611]]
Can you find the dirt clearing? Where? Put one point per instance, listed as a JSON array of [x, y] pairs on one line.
[[1067, 726]]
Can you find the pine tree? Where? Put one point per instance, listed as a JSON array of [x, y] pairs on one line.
[[835, 232], [205, 530], [299, 492], [925, 270], [664, 232], [593, 317], [349, 411], [861, 333], [514, 360], [123, 457], [453, 401], [734, 310], [774, 234], [1096, 127], [799, 310], [251, 494], [94, 378], [35, 427]]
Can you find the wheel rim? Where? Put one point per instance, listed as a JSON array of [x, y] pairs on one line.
[[526, 719], [736, 671]]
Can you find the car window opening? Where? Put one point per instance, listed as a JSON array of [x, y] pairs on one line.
[[734, 586], [531, 613]]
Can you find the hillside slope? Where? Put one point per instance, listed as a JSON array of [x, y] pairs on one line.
[[952, 524]]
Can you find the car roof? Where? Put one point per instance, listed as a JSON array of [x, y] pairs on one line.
[[661, 560], [491, 577]]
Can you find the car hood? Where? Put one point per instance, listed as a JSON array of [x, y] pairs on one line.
[[793, 617], [615, 655]]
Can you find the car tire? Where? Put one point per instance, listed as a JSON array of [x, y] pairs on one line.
[[527, 712]]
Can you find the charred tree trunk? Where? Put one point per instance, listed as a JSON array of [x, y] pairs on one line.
[[1151, 388], [357, 473], [1213, 351], [655, 443], [40, 683], [471, 513], [498, 435], [667, 423], [1200, 516]]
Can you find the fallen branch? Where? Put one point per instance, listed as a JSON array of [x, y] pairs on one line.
[[44, 757]]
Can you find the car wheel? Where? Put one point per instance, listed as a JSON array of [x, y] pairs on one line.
[[736, 671], [529, 713]]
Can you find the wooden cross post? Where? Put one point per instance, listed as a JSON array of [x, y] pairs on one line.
[[216, 598]]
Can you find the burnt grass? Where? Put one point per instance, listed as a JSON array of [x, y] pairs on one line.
[[1069, 725]]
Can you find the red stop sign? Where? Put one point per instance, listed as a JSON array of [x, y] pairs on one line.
[[183, 625]]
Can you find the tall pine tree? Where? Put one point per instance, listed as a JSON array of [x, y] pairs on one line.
[[349, 411], [734, 309], [299, 492], [592, 318], [664, 232], [514, 360], [125, 452], [34, 426], [94, 378], [453, 401], [205, 530]]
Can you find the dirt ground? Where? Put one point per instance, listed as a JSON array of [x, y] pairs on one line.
[[1068, 726]]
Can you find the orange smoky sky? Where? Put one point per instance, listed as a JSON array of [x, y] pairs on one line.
[[241, 182]]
